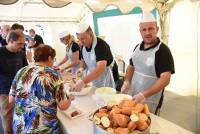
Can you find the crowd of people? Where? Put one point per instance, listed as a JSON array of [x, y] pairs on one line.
[[31, 86]]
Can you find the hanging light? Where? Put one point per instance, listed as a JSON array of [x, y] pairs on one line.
[[56, 3], [125, 6], [8, 2]]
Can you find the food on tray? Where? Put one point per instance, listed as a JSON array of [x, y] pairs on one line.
[[67, 77], [125, 118], [74, 113], [72, 82], [79, 74]]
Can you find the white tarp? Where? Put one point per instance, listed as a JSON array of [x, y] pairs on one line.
[[183, 33]]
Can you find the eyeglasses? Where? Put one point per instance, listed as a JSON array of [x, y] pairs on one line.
[[20, 43], [62, 40]]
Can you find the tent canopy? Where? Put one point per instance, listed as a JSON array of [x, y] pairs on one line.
[[63, 10]]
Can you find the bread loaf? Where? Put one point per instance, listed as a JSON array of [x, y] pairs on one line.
[[122, 131], [127, 103]]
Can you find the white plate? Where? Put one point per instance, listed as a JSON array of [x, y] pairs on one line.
[[117, 98], [84, 91], [105, 90], [72, 109]]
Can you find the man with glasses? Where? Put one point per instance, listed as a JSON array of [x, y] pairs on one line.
[[37, 37], [11, 60]]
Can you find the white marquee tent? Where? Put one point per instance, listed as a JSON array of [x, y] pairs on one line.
[[179, 21]]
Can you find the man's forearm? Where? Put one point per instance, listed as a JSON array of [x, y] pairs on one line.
[[63, 61], [97, 72], [129, 73], [159, 85], [82, 64]]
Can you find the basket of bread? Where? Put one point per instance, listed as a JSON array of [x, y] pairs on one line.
[[128, 117]]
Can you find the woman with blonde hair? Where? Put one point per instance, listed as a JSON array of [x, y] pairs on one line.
[[72, 52]]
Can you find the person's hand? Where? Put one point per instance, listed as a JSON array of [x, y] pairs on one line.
[[125, 87], [139, 97], [70, 97], [62, 70], [79, 73], [56, 67], [78, 86]]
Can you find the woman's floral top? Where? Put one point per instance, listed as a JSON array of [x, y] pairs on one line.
[[37, 90]]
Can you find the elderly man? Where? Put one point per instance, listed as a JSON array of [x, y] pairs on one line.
[[4, 32], [97, 57], [11, 60], [37, 37], [151, 66]]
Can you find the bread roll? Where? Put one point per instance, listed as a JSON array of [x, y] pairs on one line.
[[122, 131], [127, 103], [96, 120], [139, 107], [141, 125], [105, 121], [121, 120], [126, 110], [146, 110], [99, 115], [134, 117], [103, 110], [116, 110], [142, 117], [131, 126]]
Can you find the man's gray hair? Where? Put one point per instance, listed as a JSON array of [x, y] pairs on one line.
[[14, 35]]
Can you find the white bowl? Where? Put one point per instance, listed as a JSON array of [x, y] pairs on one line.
[[105, 90], [117, 98]]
